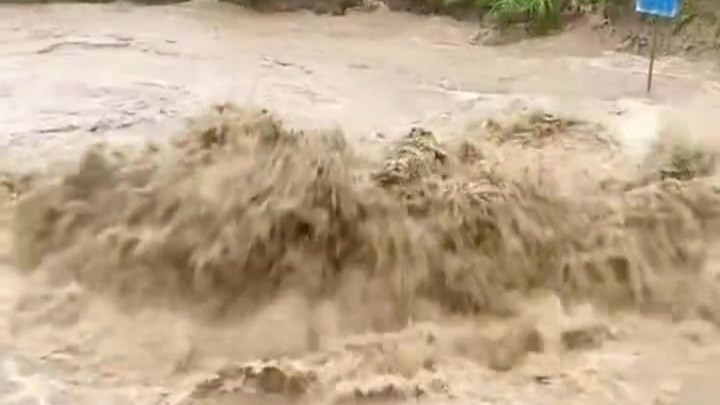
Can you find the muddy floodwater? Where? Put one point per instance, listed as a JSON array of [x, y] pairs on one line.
[[73, 75]]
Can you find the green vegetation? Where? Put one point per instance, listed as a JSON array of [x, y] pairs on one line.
[[539, 15], [542, 14]]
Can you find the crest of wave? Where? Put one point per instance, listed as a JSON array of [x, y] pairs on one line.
[[241, 209]]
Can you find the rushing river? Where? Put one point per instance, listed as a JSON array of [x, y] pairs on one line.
[[75, 74]]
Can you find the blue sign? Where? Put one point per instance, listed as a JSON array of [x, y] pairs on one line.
[[660, 8]]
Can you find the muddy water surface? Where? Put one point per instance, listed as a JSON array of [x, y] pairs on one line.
[[73, 75]]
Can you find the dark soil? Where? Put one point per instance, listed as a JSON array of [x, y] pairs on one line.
[[694, 33], [334, 7], [147, 2]]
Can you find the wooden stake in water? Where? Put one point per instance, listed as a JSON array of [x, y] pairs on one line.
[[653, 49]]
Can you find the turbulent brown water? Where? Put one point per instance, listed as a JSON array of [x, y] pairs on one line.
[[492, 253], [242, 220]]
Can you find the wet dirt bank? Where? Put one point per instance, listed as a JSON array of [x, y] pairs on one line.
[[73, 75]]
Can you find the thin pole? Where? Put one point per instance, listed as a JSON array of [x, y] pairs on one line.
[[653, 48]]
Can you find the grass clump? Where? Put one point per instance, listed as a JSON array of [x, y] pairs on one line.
[[539, 15], [542, 14]]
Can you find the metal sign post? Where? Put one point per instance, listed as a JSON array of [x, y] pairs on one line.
[[656, 9], [653, 49]]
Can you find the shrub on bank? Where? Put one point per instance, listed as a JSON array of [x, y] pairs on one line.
[[539, 16]]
